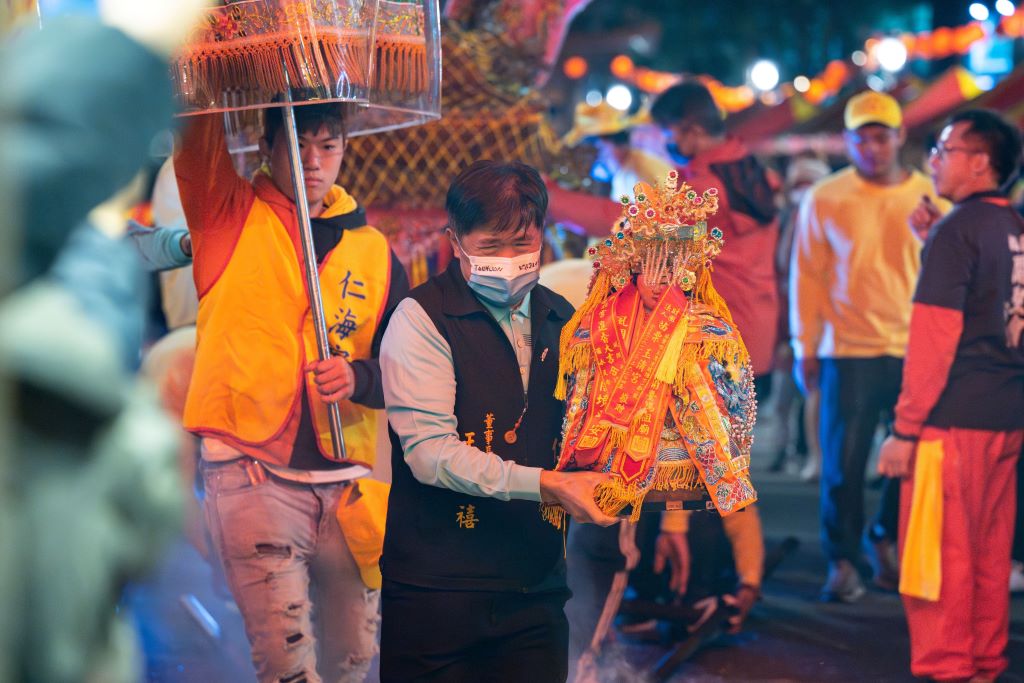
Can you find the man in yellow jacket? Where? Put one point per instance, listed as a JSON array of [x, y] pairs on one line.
[[854, 263], [258, 395]]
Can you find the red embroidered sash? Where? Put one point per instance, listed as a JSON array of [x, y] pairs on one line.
[[626, 403]]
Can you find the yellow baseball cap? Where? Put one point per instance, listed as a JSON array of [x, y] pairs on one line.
[[872, 107], [597, 120]]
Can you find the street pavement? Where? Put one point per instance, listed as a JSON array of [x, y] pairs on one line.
[[191, 631]]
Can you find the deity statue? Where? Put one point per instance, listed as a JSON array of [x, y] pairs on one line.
[[658, 384]]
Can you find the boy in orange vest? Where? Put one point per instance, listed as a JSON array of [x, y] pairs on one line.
[[258, 395]]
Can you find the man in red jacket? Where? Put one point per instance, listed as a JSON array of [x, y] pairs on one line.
[[706, 158], [745, 270]]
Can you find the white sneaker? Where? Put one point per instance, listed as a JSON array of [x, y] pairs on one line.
[[811, 470], [1017, 577]]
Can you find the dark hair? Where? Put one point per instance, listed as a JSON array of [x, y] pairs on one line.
[[1000, 139], [691, 102], [309, 118], [502, 196]]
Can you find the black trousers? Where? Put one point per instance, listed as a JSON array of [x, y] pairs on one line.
[[472, 636], [856, 394]]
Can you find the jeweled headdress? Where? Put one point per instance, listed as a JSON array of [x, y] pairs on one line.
[[665, 230]]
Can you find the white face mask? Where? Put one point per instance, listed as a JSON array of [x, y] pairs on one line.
[[502, 281]]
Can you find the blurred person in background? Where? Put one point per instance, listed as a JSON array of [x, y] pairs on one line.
[[618, 164], [747, 214], [854, 265], [166, 246], [789, 407]]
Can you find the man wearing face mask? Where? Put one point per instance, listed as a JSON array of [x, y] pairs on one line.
[[469, 364]]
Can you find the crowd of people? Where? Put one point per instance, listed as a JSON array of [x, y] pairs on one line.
[[833, 302], [869, 299]]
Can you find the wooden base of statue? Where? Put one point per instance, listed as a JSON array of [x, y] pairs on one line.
[[697, 500]]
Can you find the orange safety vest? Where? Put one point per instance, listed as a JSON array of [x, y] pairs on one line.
[[255, 334]]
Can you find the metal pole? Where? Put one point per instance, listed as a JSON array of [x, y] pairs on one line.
[[316, 305]]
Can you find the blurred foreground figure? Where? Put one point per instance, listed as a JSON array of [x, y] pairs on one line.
[[960, 416], [86, 457]]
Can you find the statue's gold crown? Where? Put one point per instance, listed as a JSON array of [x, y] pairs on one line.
[[663, 233]]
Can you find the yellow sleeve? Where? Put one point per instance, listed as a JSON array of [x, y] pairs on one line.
[[744, 532], [675, 521], [809, 272]]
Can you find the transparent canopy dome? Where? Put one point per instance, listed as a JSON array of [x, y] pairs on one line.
[[383, 57]]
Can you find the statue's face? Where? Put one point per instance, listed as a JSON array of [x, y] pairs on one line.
[[651, 292]]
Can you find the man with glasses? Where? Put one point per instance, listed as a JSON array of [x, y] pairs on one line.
[[960, 416], [854, 264]]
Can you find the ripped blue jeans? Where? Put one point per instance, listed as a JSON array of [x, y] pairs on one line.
[[308, 616]]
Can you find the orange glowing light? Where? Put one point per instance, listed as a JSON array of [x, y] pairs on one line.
[[622, 66], [816, 92], [942, 42], [575, 68]]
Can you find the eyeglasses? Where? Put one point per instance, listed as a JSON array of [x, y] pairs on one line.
[[941, 151]]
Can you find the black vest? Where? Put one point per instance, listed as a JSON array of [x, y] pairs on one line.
[[439, 538]]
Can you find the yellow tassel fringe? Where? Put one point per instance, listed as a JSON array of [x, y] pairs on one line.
[[670, 358], [553, 514], [574, 360], [706, 292], [267, 64], [599, 289], [680, 476], [614, 497]]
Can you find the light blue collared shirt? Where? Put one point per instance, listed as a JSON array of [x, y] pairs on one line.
[[515, 323], [419, 391]]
